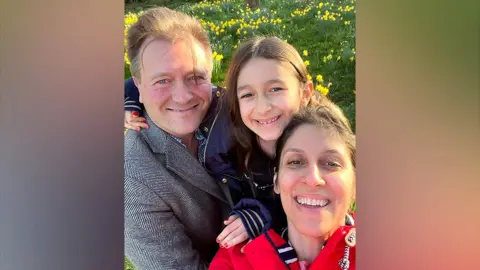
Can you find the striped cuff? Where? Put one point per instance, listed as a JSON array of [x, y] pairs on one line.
[[132, 105], [254, 215]]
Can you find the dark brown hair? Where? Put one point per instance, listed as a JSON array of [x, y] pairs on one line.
[[327, 116], [262, 47]]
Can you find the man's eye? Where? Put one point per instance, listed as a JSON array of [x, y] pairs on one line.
[[196, 78], [162, 81]]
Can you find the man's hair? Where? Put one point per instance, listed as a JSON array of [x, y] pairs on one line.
[[165, 24]]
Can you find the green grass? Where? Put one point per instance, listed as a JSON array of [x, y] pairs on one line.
[[306, 30], [310, 29]]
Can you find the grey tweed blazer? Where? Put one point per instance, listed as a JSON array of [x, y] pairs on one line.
[[173, 207]]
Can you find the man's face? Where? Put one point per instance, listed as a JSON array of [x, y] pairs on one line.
[[175, 92]]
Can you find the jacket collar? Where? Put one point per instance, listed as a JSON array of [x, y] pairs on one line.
[[179, 160]]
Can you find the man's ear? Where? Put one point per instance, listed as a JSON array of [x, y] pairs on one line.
[[276, 189], [307, 92], [137, 84]]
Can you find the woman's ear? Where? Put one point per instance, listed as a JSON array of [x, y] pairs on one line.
[[276, 189], [307, 93]]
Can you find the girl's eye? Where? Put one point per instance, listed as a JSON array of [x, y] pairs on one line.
[[276, 89], [246, 96]]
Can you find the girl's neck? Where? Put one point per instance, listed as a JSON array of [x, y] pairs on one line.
[[267, 146]]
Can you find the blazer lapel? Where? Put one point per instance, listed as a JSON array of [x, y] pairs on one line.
[[188, 167], [180, 161]]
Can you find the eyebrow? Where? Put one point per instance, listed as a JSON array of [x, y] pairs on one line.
[[267, 82], [296, 150], [162, 74]]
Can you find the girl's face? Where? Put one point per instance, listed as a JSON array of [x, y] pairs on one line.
[[269, 94], [315, 181]]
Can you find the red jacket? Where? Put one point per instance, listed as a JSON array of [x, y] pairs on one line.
[[260, 254]]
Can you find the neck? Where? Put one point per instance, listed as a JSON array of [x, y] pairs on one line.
[[306, 247], [190, 142], [267, 146]]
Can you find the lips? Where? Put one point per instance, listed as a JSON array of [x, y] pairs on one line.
[[182, 110], [268, 120]]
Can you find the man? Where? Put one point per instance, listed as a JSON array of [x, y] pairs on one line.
[[173, 207]]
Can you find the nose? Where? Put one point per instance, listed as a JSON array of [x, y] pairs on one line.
[[263, 105], [314, 177], [181, 93]]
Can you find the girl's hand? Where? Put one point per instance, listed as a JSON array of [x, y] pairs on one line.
[[233, 234], [134, 121]]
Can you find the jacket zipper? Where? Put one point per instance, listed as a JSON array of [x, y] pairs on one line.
[[208, 140]]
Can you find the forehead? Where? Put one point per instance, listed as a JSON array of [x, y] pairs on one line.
[[314, 140], [259, 70], [172, 57]]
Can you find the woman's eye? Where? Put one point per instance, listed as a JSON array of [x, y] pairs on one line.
[[295, 162], [333, 164]]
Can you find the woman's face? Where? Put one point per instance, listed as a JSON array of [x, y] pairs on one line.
[[315, 181], [269, 94]]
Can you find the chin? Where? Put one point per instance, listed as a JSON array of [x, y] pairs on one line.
[[269, 136], [316, 230]]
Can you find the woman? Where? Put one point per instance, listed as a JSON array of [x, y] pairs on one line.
[[315, 178]]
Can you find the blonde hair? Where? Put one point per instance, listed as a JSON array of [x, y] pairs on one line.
[[165, 24]]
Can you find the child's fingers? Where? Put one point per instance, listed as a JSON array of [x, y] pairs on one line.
[[227, 231], [230, 241], [230, 219]]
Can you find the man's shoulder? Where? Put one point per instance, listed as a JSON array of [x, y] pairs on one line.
[[138, 152], [135, 144]]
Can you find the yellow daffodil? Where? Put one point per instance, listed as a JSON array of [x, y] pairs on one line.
[[322, 89]]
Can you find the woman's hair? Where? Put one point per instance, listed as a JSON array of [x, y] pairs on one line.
[[327, 116], [258, 47]]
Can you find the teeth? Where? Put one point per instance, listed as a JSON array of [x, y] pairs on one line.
[[312, 202], [269, 121]]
